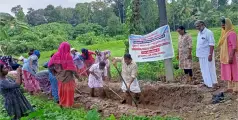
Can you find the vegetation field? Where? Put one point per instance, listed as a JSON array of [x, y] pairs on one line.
[[147, 71]]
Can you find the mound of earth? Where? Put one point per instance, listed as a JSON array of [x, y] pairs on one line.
[[189, 102]]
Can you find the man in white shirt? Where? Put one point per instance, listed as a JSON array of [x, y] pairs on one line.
[[98, 74], [205, 53], [129, 74]]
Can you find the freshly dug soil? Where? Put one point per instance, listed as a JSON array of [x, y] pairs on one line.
[[189, 102], [155, 99]]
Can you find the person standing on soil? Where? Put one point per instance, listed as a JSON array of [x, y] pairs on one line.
[[79, 62], [104, 56], [65, 71], [129, 74], [98, 74], [15, 102], [205, 53], [53, 82], [30, 69], [228, 55], [185, 52], [88, 57]]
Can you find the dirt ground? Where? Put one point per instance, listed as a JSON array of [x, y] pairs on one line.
[[189, 102]]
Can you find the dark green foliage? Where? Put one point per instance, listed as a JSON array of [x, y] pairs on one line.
[[86, 28]]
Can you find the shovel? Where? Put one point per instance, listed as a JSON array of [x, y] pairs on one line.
[[113, 91], [84, 71]]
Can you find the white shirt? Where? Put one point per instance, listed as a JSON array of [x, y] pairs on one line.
[[205, 39], [24, 60], [92, 81], [129, 72], [99, 72]]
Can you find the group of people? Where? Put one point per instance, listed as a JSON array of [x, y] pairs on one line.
[[67, 64], [227, 45], [63, 67], [15, 102]]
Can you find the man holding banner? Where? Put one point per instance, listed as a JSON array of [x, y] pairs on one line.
[[205, 53]]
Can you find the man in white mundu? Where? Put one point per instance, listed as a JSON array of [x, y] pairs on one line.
[[129, 74], [205, 53]]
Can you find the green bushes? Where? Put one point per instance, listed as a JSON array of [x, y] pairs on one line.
[[91, 38], [86, 28], [64, 30], [47, 37], [15, 47]]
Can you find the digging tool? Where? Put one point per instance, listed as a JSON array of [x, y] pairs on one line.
[[87, 68], [128, 90], [113, 91], [84, 71], [78, 90]]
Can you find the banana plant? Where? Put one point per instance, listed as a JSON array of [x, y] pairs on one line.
[[8, 20]]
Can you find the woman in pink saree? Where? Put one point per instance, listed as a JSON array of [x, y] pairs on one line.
[[62, 66], [228, 55]]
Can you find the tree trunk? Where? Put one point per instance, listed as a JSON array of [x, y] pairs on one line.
[[163, 21], [119, 9], [162, 12], [122, 11], [174, 21]]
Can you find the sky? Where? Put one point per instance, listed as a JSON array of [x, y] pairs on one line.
[[6, 5]]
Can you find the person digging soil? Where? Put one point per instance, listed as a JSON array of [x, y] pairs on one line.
[[98, 73], [129, 74]]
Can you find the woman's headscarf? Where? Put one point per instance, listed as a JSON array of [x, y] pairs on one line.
[[223, 43], [37, 53], [63, 57], [85, 53]]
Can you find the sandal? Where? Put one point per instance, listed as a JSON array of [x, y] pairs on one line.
[[216, 86], [76, 105]]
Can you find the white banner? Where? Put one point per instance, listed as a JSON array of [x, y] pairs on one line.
[[154, 46]]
